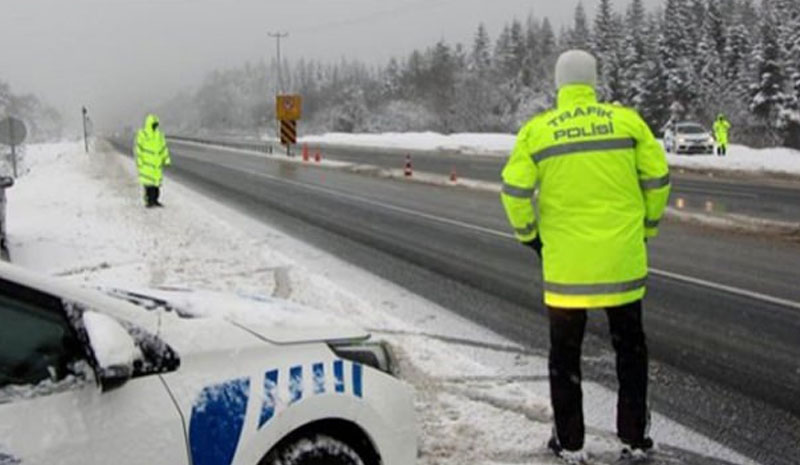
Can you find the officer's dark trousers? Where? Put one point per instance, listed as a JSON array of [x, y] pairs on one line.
[[627, 336], [151, 194]]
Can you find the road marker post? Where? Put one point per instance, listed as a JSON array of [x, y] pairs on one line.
[[317, 156], [453, 175], [408, 170], [305, 152], [288, 110], [12, 133]]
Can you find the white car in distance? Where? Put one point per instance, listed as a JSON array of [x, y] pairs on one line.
[[189, 377], [688, 138]]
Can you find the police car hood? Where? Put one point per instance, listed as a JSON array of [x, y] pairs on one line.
[[273, 320]]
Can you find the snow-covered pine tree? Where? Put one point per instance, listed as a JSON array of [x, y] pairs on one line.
[[392, 80], [676, 51], [503, 57], [768, 98], [481, 55], [794, 55], [696, 13], [607, 48], [715, 25], [547, 43], [788, 17], [711, 84], [579, 37], [736, 58], [517, 49], [441, 77], [414, 76], [654, 101], [634, 54], [531, 60], [547, 53]]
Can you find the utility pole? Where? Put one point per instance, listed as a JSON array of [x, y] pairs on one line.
[[84, 112], [278, 36], [13, 148]]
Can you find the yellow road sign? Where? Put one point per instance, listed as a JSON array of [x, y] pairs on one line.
[[289, 107]]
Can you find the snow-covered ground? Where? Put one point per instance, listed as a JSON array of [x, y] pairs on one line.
[[467, 143], [739, 158], [480, 398]]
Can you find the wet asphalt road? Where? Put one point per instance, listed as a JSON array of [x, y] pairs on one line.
[[692, 192], [725, 363]]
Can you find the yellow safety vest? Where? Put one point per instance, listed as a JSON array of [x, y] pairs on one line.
[[152, 153], [603, 184], [721, 127]]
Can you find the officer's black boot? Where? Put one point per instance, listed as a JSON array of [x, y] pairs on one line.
[[156, 195], [150, 196]]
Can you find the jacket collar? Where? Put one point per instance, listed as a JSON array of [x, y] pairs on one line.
[[574, 94]]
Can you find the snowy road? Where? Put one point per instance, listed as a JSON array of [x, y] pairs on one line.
[[736, 355], [751, 197], [481, 397]]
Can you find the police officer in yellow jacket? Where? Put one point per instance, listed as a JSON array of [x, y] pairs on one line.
[[603, 184], [721, 128], [152, 155]]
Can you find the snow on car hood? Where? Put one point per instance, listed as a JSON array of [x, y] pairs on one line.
[[274, 320]]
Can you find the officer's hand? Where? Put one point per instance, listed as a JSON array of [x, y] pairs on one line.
[[536, 245]]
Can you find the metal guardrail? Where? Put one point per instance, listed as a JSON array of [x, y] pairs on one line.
[[258, 146]]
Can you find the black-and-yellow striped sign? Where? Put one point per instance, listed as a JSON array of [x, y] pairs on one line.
[[288, 132]]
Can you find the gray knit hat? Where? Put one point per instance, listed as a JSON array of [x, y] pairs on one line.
[[576, 67]]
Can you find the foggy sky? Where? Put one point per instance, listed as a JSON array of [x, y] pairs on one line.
[[122, 57]]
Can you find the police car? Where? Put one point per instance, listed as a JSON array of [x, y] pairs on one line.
[[175, 376]]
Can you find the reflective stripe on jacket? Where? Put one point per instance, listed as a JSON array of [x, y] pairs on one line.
[[152, 153], [603, 184]]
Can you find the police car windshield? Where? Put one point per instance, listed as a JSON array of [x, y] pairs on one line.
[[691, 129]]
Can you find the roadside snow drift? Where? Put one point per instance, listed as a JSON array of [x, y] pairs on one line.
[[739, 158]]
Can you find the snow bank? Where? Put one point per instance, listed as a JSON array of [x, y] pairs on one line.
[[467, 143], [33, 155], [739, 158], [480, 398]]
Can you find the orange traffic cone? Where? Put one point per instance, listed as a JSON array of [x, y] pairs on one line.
[[317, 156], [408, 171], [453, 175], [305, 152]]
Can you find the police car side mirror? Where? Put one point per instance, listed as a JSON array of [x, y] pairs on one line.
[[114, 349]]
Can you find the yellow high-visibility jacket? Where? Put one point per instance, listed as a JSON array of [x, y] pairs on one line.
[[721, 127], [603, 184], [152, 153]]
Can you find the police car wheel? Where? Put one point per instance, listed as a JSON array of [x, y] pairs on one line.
[[314, 450]]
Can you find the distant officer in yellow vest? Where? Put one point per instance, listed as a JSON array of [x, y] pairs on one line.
[[152, 155], [721, 128], [603, 184]]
